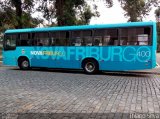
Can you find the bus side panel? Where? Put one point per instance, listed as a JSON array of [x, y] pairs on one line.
[[50, 57], [114, 58], [154, 44], [123, 58], [9, 58], [64, 58]]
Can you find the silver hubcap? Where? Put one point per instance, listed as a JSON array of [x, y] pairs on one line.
[[25, 64], [90, 67]]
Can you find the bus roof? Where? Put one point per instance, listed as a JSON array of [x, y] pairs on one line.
[[80, 27]]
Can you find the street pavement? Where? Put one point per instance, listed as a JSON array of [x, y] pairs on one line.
[[54, 94], [158, 58]]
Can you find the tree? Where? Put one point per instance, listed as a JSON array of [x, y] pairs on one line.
[[157, 14], [137, 9], [17, 14], [18, 6], [68, 12]]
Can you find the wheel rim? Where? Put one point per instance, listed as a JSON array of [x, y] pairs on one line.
[[25, 64], [90, 67]]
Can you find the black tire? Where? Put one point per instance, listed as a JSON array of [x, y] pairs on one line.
[[90, 66], [24, 64]]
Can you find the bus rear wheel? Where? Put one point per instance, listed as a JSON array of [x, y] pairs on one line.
[[24, 64], [90, 66]]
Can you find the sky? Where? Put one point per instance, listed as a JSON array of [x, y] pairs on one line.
[[114, 14]]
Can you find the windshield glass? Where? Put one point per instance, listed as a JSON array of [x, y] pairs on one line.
[[10, 42]]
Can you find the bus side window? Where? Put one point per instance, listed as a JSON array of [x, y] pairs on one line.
[[139, 36], [39, 42], [34, 39], [59, 42], [144, 36], [107, 40], [68, 35], [97, 41], [76, 41], [63, 39], [131, 40], [43, 39], [123, 36], [87, 38], [76, 38], [87, 41], [111, 36], [98, 36], [40, 39], [58, 38], [24, 39], [54, 38], [53, 42]]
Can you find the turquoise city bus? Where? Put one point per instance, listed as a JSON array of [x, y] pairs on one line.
[[109, 47]]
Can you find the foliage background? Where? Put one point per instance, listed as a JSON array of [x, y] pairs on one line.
[[16, 14]]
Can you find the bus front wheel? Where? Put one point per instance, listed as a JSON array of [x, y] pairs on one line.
[[90, 66], [23, 64]]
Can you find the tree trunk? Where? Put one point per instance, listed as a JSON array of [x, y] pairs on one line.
[[59, 12], [18, 6]]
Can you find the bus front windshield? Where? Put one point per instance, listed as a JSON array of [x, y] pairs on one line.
[[10, 42]]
